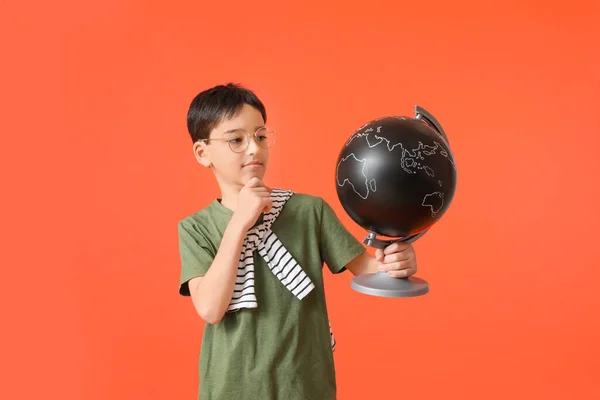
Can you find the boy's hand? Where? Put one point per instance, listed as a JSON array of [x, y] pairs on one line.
[[254, 199], [398, 260]]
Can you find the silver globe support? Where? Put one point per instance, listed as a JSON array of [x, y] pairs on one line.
[[423, 114]]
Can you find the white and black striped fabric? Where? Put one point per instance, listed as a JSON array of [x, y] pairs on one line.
[[281, 263]]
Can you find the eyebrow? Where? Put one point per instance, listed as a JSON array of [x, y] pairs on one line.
[[241, 129]]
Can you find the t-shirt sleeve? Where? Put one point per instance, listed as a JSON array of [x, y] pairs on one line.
[[338, 246], [195, 255]]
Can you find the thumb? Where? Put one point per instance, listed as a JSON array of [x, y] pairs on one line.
[[379, 255], [268, 206]]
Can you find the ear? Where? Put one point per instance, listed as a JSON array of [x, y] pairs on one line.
[[201, 154]]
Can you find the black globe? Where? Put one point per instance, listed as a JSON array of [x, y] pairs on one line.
[[396, 176]]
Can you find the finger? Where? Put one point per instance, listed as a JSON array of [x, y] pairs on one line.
[[395, 257], [261, 194], [396, 266], [401, 274], [268, 205], [396, 247], [379, 254]]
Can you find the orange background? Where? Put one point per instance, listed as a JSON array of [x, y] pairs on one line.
[[97, 170]]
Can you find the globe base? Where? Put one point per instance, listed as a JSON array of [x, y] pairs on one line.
[[382, 285]]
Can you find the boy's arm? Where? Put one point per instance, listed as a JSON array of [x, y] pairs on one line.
[[212, 293], [338, 246]]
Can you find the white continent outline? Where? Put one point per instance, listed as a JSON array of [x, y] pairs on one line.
[[337, 175], [440, 195]]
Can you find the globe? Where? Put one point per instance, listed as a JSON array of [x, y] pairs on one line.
[[396, 177]]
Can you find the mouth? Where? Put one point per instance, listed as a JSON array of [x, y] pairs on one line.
[[253, 164]]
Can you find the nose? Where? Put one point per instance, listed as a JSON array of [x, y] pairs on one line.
[[253, 146]]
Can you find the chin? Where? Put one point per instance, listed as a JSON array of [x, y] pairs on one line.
[[250, 176], [259, 173]]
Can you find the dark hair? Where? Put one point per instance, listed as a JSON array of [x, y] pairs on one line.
[[212, 106]]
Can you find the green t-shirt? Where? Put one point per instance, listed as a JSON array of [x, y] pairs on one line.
[[282, 349]]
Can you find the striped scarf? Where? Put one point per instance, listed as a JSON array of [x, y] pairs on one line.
[[281, 263]]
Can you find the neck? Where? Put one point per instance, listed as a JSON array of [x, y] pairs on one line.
[[229, 196]]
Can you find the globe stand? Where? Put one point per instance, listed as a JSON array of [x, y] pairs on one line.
[[380, 283]]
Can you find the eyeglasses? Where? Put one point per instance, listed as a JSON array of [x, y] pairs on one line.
[[239, 140]]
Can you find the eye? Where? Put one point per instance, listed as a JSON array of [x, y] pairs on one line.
[[236, 138], [262, 134]]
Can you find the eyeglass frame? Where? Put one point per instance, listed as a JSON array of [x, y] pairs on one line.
[[247, 134]]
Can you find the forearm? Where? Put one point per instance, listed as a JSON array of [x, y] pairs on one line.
[[213, 293], [363, 264]]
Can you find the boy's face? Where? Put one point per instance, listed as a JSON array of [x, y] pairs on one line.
[[232, 169]]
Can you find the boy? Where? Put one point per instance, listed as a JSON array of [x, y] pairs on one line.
[[252, 263]]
